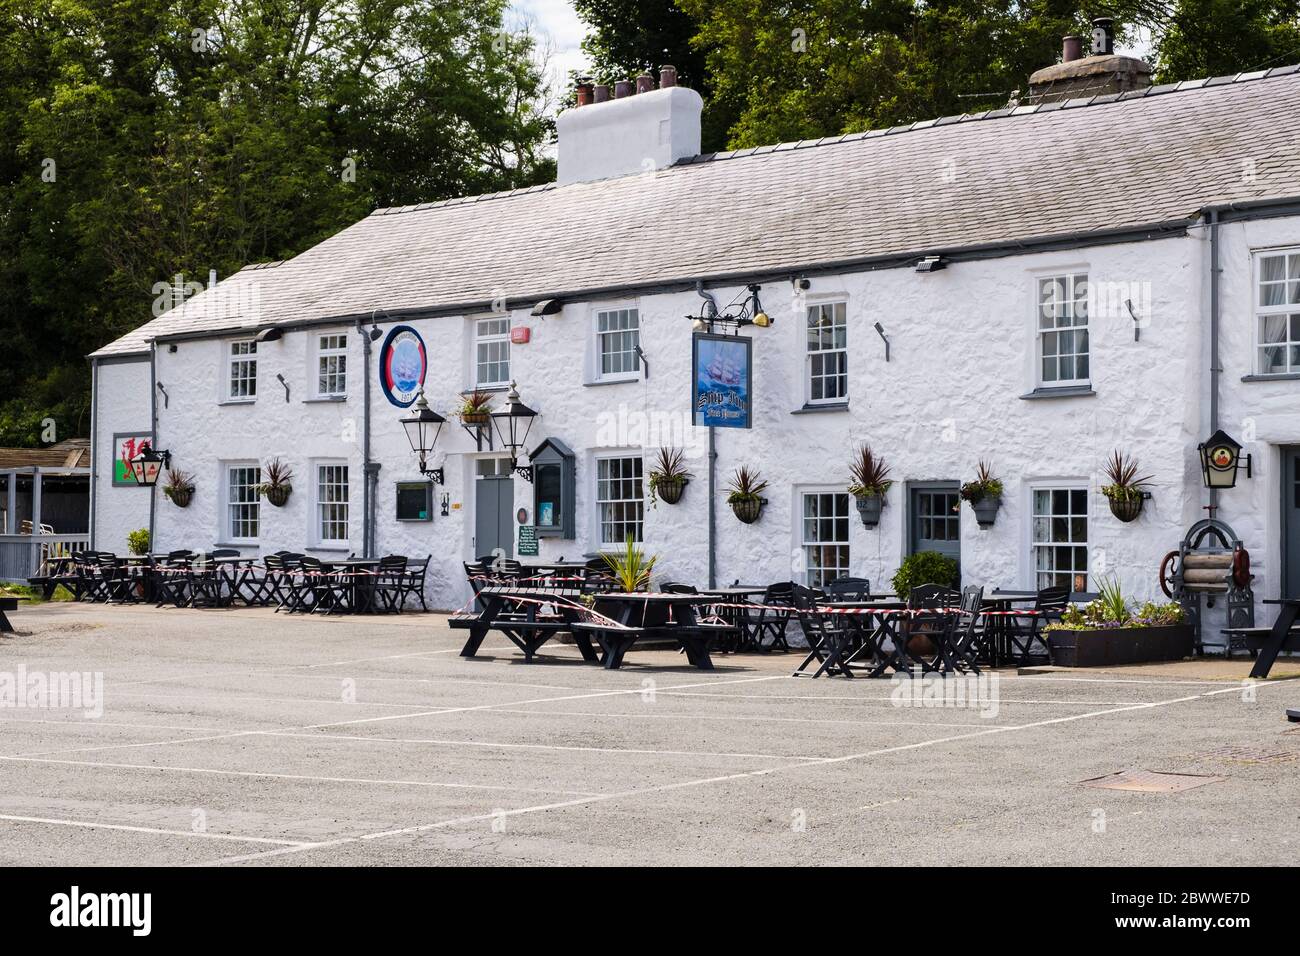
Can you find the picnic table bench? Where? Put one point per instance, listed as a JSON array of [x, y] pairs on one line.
[[624, 618], [7, 604], [1268, 642], [528, 617]]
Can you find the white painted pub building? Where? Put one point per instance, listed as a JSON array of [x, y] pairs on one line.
[[1035, 286]]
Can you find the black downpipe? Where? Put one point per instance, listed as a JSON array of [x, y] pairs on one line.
[[1213, 216]]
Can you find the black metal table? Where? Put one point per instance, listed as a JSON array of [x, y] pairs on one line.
[[874, 622], [1279, 638], [735, 616], [996, 632], [528, 617]]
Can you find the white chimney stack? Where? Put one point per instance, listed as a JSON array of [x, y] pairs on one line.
[[629, 134]]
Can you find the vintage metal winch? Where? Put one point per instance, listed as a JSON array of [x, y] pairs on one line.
[[1200, 566]]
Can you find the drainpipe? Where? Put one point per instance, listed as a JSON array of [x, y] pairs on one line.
[[94, 447], [153, 423], [1213, 216]]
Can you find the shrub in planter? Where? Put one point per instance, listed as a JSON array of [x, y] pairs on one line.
[[179, 487], [1106, 632], [984, 494], [869, 481], [1125, 493], [629, 567], [924, 567], [668, 477], [277, 488], [476, 408], [745, 494], [137, 542]]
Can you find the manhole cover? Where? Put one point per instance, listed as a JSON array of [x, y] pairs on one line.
[[1149, 781], [1248, 755]]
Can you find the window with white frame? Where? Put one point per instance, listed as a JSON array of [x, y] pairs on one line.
[[828, 355], [1060, 537], [1277, 313], [243, 502], [331, 503], [618, 342], [1063, 331], [331, 365], [241, 369], [620, 500], [491, 352], [824, 537]]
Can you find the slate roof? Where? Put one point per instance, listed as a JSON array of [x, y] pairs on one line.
[[1110, 162]]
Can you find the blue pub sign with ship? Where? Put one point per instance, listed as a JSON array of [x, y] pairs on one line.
[[721, 377]]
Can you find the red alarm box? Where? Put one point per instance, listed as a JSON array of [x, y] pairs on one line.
[[520, 335]]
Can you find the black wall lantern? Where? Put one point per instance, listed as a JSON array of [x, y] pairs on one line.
[[422, 431], [1221, 460], [513, 425], [148, 465]]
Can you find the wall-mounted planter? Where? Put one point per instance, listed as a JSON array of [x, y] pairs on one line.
[[669, 490], [476, 419], [277, 494], [986, 511], [869, 509], [748, 509], [1127, 509], [181, 497], [1120, 645]]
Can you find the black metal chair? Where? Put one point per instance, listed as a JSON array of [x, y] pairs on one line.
[[413, 582], [171, 579], [965, 642], [829, 634], [769, 622], [847, 589], [118, 582], [1025, 629], [387, 586], [673, 587]]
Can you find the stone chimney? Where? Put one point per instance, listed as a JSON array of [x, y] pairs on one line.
[[639, 130], [1102, 71]]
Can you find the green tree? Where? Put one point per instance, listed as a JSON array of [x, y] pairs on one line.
[[1222, 37], [150, 138]]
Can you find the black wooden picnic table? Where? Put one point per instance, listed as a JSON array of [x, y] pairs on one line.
[[7, 604], [528, 617], [1279, 637], [629, 617]]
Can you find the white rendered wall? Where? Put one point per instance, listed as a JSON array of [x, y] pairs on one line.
[[635, 134], [121, 405]]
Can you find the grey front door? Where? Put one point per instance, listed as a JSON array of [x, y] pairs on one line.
[[1291, 521], [935, 518], [494, 523]]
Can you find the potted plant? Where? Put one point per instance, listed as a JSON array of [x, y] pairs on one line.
[[137, 542], [179, 487], [984, 494], [1125, 492], [668, 476], [745, 494], [476, 407], [870, 481], [1106, 632], [276, 488], [923, 567], [629, 567]]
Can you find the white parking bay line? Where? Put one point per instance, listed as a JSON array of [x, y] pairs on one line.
[[93, 825]]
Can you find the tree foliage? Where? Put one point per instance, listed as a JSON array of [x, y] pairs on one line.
[[149, 138]]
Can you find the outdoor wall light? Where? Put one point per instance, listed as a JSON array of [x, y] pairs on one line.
[[422, 431], [513, 425], [147, 465], [751, 311], [1221, 460], [880, 330], [273, 334], [547, 307], [930, 264]]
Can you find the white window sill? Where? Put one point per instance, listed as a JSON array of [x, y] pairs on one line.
[[811, 408], [622, 380], [504, 386], [325, 399], [1272, 377], [1060, 391], [238, 401]]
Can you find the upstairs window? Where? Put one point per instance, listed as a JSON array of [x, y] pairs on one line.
[[241, 370], [332, 366], [1063, 331], [828, 355], [491, 352], [618, 344], [1277, 314]]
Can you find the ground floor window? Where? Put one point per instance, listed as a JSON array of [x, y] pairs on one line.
[[1060, 537], [243, 502], [332, 503], [620, 499], [825, 537]]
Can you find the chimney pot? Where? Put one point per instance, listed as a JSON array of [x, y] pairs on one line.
[[622, 89], [645, 83], [601, 93], [667, 76], [583, 90], [1072, 49], [1103, 36]]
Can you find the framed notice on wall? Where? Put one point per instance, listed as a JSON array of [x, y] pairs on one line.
[[126, 445], [721, 380]]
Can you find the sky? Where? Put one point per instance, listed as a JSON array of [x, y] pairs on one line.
[[558, 23]]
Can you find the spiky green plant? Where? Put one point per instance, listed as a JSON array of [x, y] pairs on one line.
[[745, 485], [1124, 484], [629, 567], [1113, 606], [868, 473]]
